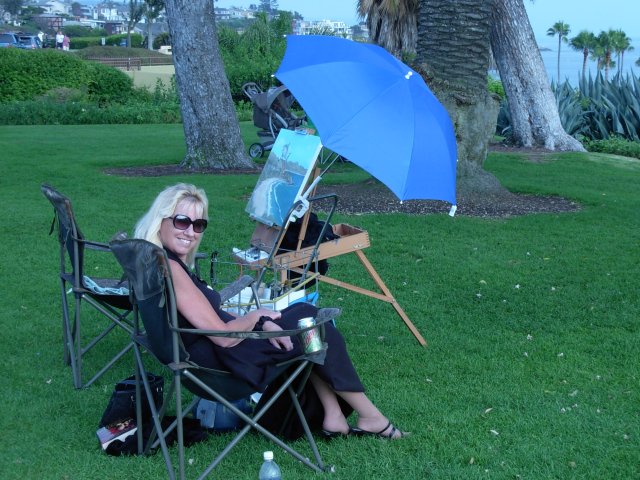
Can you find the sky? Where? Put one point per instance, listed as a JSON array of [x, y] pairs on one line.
[[592, 15]]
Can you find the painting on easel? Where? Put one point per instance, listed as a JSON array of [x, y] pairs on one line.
[[284, 176]]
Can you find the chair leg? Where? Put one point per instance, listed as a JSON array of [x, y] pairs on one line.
[[252, 422], [74, 344], [178, 387], [305, 426], [72, 336], [66, 324], [155, 415], [66, 355]]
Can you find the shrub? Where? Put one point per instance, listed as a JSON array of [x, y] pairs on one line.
[[495, 86], [50, 112], [136, 39], [254, 55], [82, 31], [78, 43], [108, 84], [28, 74], [160, 40], [110, 51], [614, 145], [244, 111], [64, 95]]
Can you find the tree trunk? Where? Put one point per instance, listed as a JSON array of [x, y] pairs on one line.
[[535, 120], [211, 127], [453, 56], [149, 34]]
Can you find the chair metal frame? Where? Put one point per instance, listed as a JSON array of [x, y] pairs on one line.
[[116, 308], [147, 267]]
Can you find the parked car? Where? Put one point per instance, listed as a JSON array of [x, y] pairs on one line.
[[29, 42], [8, 40]]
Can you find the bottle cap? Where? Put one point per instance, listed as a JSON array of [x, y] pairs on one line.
[[268, 455]]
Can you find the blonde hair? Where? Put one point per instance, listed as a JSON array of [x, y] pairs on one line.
[[148, 227]]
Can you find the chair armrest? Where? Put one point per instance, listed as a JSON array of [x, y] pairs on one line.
[[324, 315], [102, 247], [235, 288]]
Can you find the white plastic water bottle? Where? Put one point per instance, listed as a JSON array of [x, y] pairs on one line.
[[269, 469]]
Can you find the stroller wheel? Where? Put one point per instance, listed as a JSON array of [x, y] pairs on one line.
[[256, 150]]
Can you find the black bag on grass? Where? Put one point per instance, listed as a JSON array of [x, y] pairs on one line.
[[193, 433], [122, 404]]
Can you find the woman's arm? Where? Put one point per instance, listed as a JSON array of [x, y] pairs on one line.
[[195, 307]]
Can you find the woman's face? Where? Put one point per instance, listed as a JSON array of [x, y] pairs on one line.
[[181, 242]]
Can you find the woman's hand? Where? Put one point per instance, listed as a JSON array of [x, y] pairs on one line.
[[278, 342], [265, 312]]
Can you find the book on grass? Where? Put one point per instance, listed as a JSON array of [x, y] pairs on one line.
[[116, 431]]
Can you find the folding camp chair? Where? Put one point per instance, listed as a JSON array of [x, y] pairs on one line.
[[109, 296], [147, 268]]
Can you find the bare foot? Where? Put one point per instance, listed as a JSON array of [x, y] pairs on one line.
[[337, 424]]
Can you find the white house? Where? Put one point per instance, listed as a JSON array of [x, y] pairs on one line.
[[54, 7], [305, 27], [108, 12]]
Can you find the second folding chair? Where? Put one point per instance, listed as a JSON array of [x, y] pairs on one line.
[[108, 296]]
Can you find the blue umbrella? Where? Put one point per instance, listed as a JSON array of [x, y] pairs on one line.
[[376, 112]]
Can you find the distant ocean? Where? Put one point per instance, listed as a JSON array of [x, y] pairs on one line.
[[571, 62]]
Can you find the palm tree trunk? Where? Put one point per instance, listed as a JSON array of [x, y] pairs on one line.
[[455, 67], [585, 55], [559, 45]]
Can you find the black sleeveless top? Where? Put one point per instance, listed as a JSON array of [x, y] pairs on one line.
[[253, 360], [212, 296]]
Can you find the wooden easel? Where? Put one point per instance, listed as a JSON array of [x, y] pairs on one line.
[[351, 240]]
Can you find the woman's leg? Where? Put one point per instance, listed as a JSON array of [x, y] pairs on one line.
[[334, 420], [370, 418]]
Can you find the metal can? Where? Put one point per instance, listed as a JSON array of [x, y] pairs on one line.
[[310, 338]]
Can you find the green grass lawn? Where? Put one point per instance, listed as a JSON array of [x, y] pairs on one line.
[[532, 322]]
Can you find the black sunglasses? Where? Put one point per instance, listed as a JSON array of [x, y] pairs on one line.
[[182, 222]]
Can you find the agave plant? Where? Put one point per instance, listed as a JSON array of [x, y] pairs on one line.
[[596, 110], [571, 110], [612, 107]]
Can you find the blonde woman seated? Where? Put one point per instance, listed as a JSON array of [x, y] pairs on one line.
[[176, 221]]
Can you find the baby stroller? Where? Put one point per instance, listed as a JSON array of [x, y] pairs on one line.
[[271, 114]]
